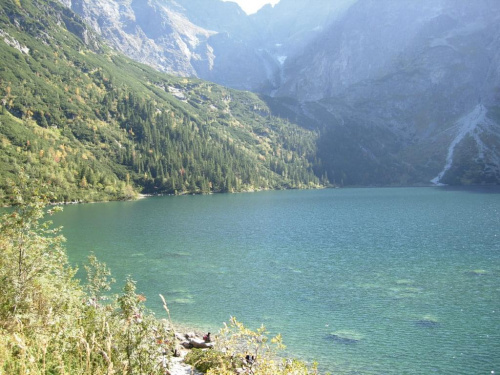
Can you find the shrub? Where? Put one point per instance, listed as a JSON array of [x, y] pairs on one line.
[[240, 347], [205, 360], [49, 322]]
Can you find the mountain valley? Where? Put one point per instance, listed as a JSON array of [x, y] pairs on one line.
[[387, 84], [95, 125], [348, 93]]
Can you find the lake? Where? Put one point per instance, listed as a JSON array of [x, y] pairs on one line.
[[365, 281]]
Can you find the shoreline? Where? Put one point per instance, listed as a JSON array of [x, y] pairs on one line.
[[185, 337], [141, 196]]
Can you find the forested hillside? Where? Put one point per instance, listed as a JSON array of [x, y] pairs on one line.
[[96, 125]]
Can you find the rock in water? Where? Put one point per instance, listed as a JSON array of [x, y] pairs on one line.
[[345, 337], [427, 322]]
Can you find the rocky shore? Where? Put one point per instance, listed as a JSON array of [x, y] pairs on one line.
[[185, 342]]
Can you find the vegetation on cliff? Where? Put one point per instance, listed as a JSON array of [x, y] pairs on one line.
[[95, 125]]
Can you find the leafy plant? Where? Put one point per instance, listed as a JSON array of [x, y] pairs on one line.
[[49, 322], [238, 347]]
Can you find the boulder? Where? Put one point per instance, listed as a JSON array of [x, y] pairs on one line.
[[186, 344], [201, 344], [179, 337]]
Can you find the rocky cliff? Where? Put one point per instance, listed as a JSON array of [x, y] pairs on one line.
[[210, 39], [424, 73], [151, 32]]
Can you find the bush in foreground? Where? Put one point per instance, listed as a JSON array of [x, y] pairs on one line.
[[49, 322], [239, 349]]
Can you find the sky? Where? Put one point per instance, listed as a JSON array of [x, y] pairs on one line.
[[252, 6]]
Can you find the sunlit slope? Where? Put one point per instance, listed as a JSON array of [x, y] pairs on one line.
[[97, 125]]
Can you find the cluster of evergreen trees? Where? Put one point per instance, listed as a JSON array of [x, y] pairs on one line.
[[96, 125]]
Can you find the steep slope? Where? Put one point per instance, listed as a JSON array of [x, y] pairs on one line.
[[94, 123], [414, 72], [287, 29], [149, 32], [210, 39], [388, 83]]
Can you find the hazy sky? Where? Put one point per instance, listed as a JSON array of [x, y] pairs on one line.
[[252, 6]]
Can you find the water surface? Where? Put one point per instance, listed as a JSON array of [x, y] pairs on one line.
[[366, 281]]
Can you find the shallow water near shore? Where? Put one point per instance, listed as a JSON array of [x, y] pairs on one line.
[[365, 281]]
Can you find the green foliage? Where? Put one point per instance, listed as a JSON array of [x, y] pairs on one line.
[[95, 125], [238, 347], [98, 279], [27, 282], [206, 360], [49, 323], [139, 331]]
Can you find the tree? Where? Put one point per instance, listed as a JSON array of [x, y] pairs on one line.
[[39, 296], [33, 262], [98, 279], [48, 323]]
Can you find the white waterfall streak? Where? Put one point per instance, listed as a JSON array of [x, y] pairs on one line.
[[466, 125]]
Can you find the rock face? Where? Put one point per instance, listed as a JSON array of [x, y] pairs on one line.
[[404, 92], [421, 77], [150, 32], [405, 47], [210, 39]]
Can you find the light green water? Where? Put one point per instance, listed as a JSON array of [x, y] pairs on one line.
[[366, 281]]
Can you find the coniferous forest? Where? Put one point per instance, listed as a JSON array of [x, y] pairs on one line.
[[95, 125]]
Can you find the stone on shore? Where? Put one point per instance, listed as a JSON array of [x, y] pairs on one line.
[[190, 340], [201, 344]]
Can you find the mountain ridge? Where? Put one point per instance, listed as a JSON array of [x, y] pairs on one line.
[[383, 86]]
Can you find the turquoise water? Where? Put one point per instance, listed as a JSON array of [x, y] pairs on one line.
[[366, 281]]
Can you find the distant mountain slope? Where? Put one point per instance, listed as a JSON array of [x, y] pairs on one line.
[[94, 123], [387, 83], [210, 39], [425, 74]]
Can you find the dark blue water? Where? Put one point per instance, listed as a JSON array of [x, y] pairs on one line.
[[366, 281]]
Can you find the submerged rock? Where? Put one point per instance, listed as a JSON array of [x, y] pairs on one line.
[[345, 337], [427, 322], [477, 272]]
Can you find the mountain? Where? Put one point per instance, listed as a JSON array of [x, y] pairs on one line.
[[96, 125], [179, 37], [210, 39], [421, 78], [401, 92], [148, 32]]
